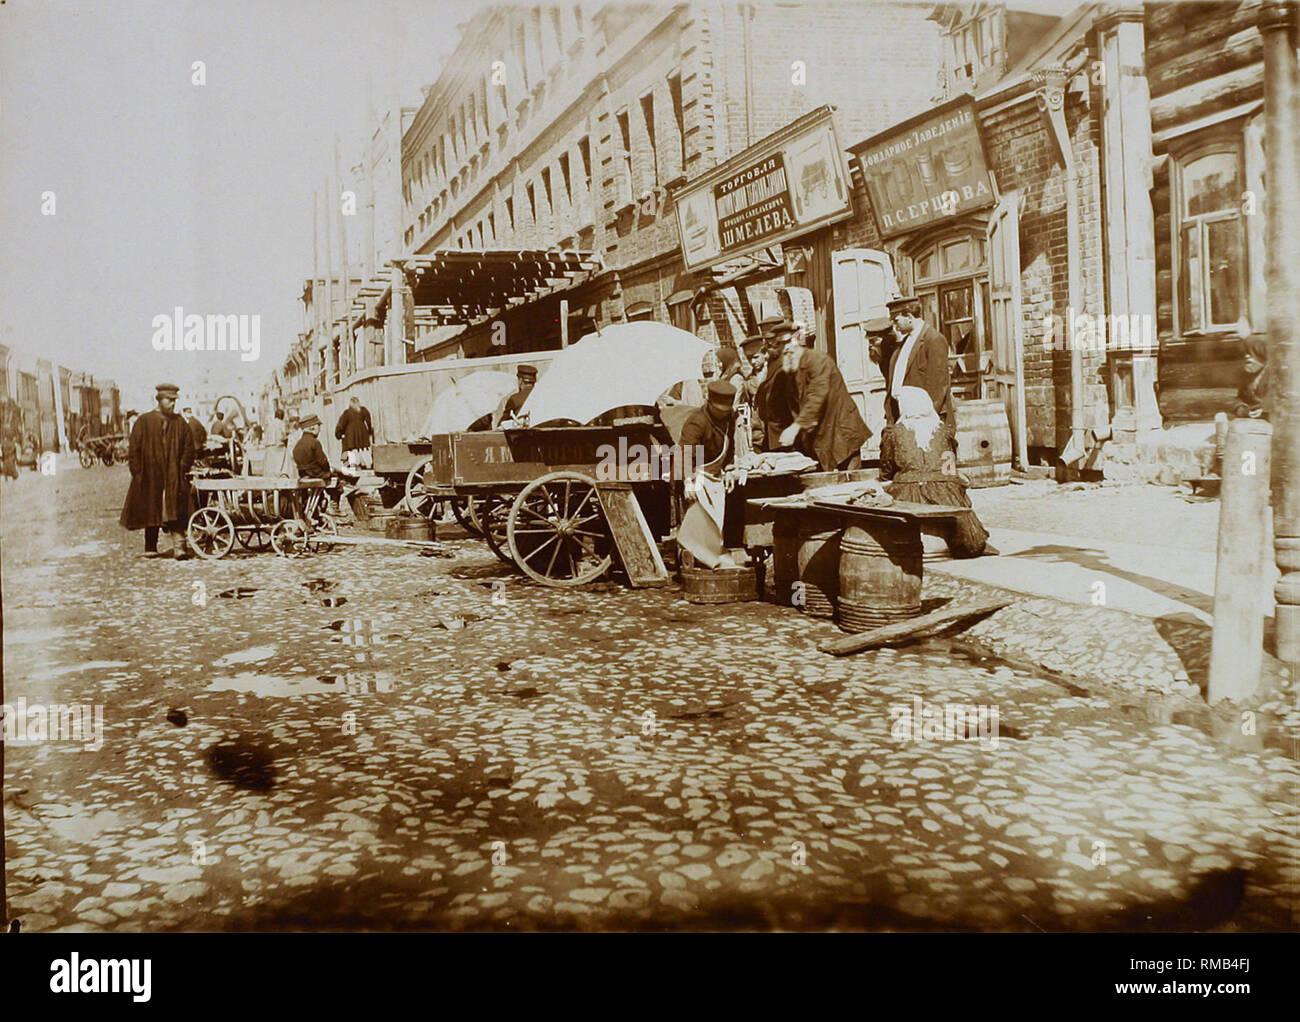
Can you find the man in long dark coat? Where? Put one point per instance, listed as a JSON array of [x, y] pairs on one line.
[[161, 451], [354, 428], [827, 425], [920, 360]]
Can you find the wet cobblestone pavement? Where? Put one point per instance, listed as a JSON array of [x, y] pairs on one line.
[[373, 738]]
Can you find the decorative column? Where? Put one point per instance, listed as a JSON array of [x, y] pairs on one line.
[[1130, 222], [1277, 25]]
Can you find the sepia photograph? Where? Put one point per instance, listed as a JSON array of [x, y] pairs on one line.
[[647, 467]]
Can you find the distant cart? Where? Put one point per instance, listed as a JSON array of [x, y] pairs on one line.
[[106, 449], [563, 503], [289, 515]]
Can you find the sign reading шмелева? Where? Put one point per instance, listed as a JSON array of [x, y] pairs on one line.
[[785, 185], [930, 169]]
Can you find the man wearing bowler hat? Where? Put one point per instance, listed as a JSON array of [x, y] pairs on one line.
[[826, 424], [161, 452], [920, 361]]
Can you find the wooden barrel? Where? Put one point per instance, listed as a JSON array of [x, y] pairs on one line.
[[719, 585], [879, 575], [983, 441], [805, 561], [380, 517], [408, 527]]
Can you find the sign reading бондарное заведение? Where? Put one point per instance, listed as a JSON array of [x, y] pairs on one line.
[[926, 169], [785, 185]]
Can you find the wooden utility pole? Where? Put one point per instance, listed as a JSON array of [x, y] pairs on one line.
[[331, 365], [1240, 596], [1277, 25], [346, 347]]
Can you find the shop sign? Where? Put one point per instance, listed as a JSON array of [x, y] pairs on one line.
[[784, 186], [928, 169]]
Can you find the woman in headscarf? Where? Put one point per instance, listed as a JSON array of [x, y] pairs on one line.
[[916, 455], [1252, 396]]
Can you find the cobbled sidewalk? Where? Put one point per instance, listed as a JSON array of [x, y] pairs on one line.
[[372, 738]]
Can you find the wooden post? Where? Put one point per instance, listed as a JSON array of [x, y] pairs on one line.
[[1277, 25], [1237, 648], [347, 348], [564, 322], [328, 320]]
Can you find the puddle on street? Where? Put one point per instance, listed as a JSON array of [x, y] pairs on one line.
[[333, 601], [244, 762], [245, 656], [319, 585], [273, 687]]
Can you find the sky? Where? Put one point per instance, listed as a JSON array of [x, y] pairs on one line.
[[168, 193]]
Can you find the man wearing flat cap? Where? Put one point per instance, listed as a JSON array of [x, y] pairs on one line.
[[161, 452], [509, 408], [821, 419], [920, 361], [710, 428]]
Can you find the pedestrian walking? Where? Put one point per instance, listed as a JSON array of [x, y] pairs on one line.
[[161, 452], [355, 430]]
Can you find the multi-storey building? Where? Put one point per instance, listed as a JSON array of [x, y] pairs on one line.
[[568, 128]]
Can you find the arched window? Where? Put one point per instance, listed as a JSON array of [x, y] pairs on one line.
[[950, 277]]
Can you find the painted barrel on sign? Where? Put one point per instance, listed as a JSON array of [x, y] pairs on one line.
[[983, 441], [805, 561], [879, 574]]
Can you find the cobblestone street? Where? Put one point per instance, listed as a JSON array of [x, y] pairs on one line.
[[375, 738]]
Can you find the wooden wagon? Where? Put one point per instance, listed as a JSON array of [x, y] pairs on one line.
[[564, 503], [404, 467], [289, 515]]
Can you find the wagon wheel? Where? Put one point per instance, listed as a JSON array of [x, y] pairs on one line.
[[419, 501], [121, 450], [464, 512], [491, 513], [557, 530], [322, 531], [211, 532], [289, 538], [85, 456]]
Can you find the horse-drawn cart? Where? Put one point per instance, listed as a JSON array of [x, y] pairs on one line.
[[563, 504]]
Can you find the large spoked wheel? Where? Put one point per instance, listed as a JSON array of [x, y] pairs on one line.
[[557, 531], [211, 533], [85, 456], [492, 514], [419, 500], [289, 538]]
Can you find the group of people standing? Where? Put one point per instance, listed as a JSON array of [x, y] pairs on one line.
[[797, 399]]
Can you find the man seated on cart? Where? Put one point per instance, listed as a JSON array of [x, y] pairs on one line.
[[309, 456]]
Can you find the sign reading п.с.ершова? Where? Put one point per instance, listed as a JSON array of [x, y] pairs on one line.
[[928, 168], [789, 183]]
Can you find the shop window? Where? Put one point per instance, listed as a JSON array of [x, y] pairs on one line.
[[679, 119], [1211, 269]]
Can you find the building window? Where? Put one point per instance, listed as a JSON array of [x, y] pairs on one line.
[[532, 200], [510, 213], [584, 151], [624, 155], [521, 47], [492, 226], [950, 277], [565, 178], [648, 113], [1210, 266], [546, 187], [679, 119]]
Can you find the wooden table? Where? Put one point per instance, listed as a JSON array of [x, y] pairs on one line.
[[880, 553]]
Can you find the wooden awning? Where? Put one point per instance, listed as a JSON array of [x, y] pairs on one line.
[[466, 286]]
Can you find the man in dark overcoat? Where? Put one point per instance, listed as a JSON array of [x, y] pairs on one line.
[[920, 360], [827, 425], [161, 451]]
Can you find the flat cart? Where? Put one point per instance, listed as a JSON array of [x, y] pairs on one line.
[[561, 503], [107, 449], [403, 468], [289, 515]]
